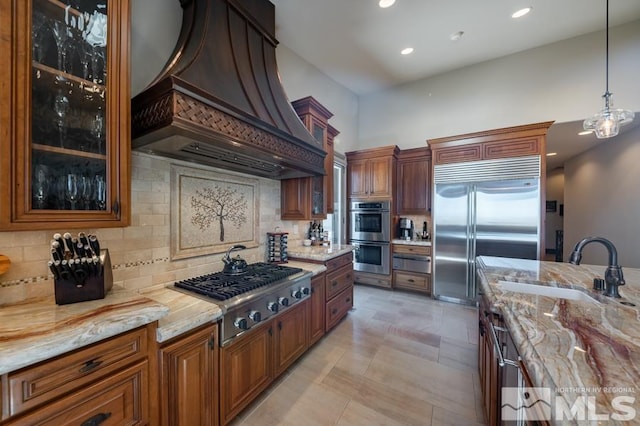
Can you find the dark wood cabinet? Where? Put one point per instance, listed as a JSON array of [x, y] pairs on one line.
[[371, 173], [189, 378], [316, 308], [311, 197], [246, 370], [250, 363], [64, 115], [108, 378], [414, 182], [292, 338], [506, 142]]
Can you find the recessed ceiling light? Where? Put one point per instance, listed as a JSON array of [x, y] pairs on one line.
[[386, 3], [456, 36], [585, 132], [520, 13], [407, 51], [551, 154]]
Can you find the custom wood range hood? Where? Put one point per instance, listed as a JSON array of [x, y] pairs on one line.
[[219, 100]]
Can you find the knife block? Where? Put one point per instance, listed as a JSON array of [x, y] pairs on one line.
[[94, 286]]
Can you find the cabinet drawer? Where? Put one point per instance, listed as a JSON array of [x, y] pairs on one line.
[[412, 281], [407, 249], [338, 281], [337, 262], [120, 399], [338, 307], [36, 385]]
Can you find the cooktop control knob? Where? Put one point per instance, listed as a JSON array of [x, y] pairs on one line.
[[241, 323], [296, 294], [255, 316], [306, 291], [272, 306], [284, 301]]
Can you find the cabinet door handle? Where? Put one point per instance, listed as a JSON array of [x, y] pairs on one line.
[[279, 325], [90, 365], [212, 343], [116, 207], [270, 332], [97, 419]]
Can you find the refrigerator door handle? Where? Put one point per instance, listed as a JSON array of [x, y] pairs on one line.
[[471, 243]]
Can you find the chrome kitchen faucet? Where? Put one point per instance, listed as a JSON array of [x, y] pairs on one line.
[[613, 277]]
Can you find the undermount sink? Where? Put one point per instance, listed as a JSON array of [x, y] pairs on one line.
[[542, 290]]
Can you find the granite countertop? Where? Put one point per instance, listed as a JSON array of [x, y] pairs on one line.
[[412, 242], [317, 253], [579, 350], [37, 330]]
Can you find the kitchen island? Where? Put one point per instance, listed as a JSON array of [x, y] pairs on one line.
[[583, 351]]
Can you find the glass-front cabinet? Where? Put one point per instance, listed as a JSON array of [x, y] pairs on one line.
[[64, 118]]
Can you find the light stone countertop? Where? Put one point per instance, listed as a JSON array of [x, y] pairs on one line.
[[39, 329], [317, 253], [412, 242], [578, 349]]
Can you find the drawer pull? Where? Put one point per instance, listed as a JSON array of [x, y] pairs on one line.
[[348, 299], [411, 280], [335, 283], [97, 419], [334, 311], [90, 365]]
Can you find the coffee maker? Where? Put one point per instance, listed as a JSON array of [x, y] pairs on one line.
[[406, 228]]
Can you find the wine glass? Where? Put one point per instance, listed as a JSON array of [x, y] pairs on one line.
[[61, 108], [40, 186], [72, 190], [100, 192], [98, 65], [97, 130], [86, 190], [61, 35], [39, 35]]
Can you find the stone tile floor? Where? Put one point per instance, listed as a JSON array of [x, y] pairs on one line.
[[396, 359]]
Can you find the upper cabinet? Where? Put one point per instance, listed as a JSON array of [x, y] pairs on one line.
[[414, 182], [311, 197], [64, 113], [507, 142], [371, 173]]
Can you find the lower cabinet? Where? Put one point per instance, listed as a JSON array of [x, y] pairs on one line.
[[317, 308], [412, 281], [189, 378], [250, 363], [338, 289], [412, 267], [108, 381]]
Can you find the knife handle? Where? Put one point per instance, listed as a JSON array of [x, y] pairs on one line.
[[95, 244]]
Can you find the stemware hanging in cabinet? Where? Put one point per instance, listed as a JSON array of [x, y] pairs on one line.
[[65, 113]]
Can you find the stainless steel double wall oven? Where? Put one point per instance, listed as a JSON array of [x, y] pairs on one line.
[[370, 235]]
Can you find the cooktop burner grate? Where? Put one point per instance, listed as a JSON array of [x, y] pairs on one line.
[[222, 286]]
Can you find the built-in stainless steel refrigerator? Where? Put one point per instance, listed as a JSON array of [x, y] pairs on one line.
[[482, 208]]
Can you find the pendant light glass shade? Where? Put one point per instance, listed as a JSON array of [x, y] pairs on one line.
[[607, 123]]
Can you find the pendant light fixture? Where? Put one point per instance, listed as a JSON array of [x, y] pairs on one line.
[[607, 123]]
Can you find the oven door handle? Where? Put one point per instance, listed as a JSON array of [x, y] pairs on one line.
[[502, 361]]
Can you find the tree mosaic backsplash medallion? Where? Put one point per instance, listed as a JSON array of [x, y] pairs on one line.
[[211, 211]]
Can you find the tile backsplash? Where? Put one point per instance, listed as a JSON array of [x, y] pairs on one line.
[[140, 253]]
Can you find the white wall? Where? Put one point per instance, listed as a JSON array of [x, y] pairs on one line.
[[602, 197], [562, 82]]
